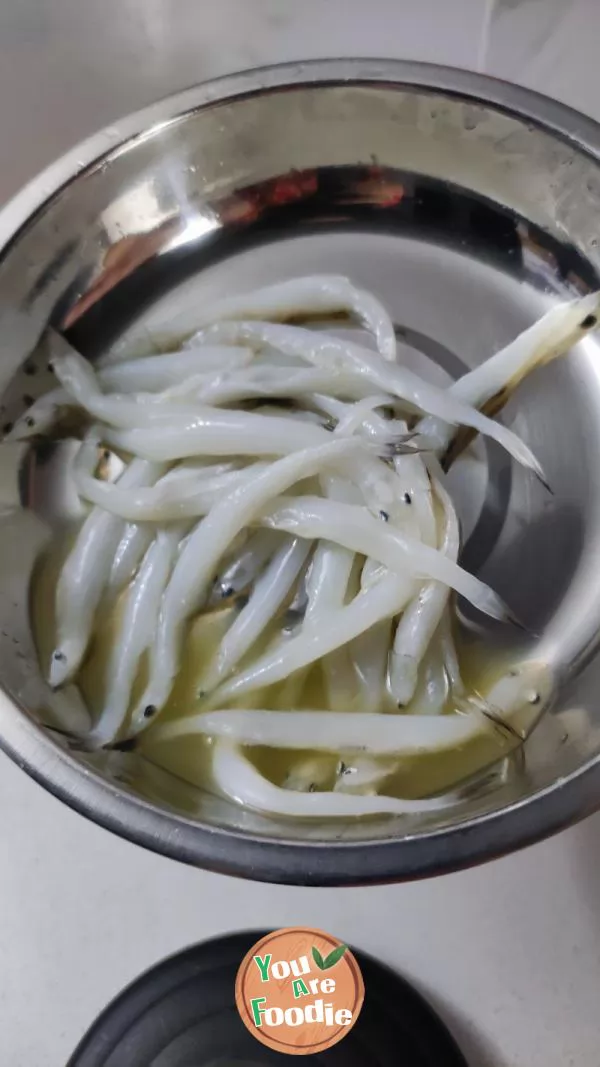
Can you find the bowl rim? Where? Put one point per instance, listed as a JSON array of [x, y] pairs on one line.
[[231, 851]]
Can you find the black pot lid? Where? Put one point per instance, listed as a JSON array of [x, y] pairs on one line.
[[182, 1013]]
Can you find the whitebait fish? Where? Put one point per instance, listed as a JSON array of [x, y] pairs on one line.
[[179, 494], [260, 383], [244, 564], [369, 655], [238, 780], [152, 374], [136, 633], [129, 553], [327, 587], [328, 578], [417, 627], [364, 732], [149, 374], [84, 576], [550, 337], [80, 382], [188, 586], [217, 432], [329, 631], [335, 354], [269, 593], [268, 531], [41, 416], [431, 692], [410, 490], [363, 775], [332, 731], [317, 295], [493, 381], [356, 529]]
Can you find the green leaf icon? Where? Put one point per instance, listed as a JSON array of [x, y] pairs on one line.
[[334, 957], [317, 957]]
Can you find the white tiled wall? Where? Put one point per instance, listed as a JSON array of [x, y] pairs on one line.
[[548, 45], [68, 67]]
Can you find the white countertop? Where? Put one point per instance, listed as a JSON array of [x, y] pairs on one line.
[[509, 952]]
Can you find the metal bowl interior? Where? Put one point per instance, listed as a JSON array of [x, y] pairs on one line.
[[468, 206]]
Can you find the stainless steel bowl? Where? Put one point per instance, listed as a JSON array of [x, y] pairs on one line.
[[468, 205]]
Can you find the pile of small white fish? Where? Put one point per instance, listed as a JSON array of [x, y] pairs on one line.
[[302, 470]]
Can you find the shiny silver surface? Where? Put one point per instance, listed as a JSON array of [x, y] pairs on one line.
[[468, 206]]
